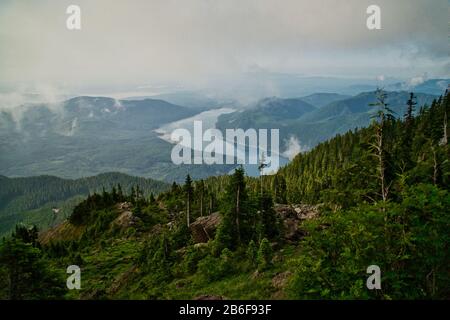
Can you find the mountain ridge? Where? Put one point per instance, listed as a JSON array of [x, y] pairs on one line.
[[31, 199]]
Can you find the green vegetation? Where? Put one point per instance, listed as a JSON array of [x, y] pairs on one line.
[[384, 200], [31, 200], [327, 116], [24, 272]]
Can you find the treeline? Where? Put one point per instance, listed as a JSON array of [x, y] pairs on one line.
[[345, 170], [25, 271], [384, 195], [242, 242], [385, 201], [22, 194], [246, 215]]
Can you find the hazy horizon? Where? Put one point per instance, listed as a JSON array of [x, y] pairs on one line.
[[194, 45]]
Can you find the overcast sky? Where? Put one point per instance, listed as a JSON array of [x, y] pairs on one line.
[[193, 41]]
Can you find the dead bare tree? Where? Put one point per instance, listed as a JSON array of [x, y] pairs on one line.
[[383, 115]]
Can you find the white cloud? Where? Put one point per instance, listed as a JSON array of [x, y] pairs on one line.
[[16, 103], [293, 147], [414, 81], [198, 41]]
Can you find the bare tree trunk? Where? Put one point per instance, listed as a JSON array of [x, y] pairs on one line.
[[237, 214], [188, 209], [201, 204], [435, 166], [210, 205], [444, 138], [381, 164]]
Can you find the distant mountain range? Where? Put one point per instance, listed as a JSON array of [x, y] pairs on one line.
[[431, 86], [85, 136], [189, 99], [319, 100], [317, 117]]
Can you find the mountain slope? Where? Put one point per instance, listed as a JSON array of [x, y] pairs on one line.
[[318, 124], [265, 113], [86, 136], [31, 199], [133, 247], [321, 99]]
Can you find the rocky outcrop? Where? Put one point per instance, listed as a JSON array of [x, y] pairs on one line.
[[292, 216], [204, 228], [281, 279], [124, 206], [126, 218]]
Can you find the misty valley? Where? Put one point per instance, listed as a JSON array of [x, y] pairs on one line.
[[216, 153]]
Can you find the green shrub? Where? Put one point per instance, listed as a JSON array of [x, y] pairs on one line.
[[252, 254], [264, 258], [408, 241], [209, 269]]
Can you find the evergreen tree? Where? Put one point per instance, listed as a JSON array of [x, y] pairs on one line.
[[411, 103], [120, 193], [268, 224], [236, 209], [27, 274], [188, 190], [201, 190], [406, 141], [264, 255], [252, 253], [279, 188]]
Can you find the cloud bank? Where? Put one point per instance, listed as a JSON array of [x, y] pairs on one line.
[[199, 41]]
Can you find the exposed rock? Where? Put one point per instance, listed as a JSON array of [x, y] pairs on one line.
[[204, 228], [305, 211], [126, 219], [298, 211], [255, 275], [292, 216], [124, 206], [280, 280], [285, 211]]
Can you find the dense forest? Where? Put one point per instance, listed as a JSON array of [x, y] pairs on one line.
[[382, 194], [32, 199]]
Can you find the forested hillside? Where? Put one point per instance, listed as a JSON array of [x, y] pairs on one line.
[[381, 197], [32, 199], [86, 136], [345, 170], [312, 125]]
